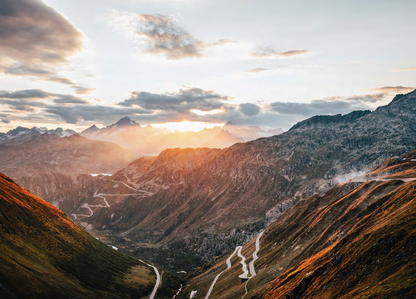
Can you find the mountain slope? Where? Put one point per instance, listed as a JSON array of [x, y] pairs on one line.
[[43, 254], [57, 169], [356, 240], [206, 201]]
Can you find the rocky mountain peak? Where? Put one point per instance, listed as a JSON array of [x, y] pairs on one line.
[[17, 131], [90, 130], [329, 120], [124, 122]]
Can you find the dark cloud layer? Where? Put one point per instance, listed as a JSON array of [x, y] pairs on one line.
[[28, 100], [331, 105], [182, 101], [145, 107], [249, 109], [35, 40]]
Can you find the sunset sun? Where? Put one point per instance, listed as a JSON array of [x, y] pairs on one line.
[[184, 126]]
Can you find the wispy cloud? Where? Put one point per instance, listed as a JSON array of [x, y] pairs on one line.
[[406, 69], [329, 105], [35, 41], [160, 34], [393, 89], [258, 70], [270, 52]]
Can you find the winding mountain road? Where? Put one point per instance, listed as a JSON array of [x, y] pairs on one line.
[[243, 263], [255, 257], [251, 264], [157, 285], [228, 262], [134, 189]]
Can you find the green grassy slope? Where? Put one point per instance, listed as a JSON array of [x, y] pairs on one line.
[[43, 254]]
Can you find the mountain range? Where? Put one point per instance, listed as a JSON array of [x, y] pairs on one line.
[[203, 202], [147, 140], [311, 204], [151, 140]]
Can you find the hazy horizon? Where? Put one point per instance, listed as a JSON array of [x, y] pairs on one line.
[[268, 63]]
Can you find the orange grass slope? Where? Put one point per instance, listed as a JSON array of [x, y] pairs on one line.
[[356, 241], [375, 258], [43, 254]]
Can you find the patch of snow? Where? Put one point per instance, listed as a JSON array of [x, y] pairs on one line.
[[66, 134], [114, 247], [193, 294], [97, 174], [17, 135]]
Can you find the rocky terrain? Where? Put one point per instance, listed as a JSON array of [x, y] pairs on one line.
[[186, 206], [207, 201], [20, 135], [355, 241]]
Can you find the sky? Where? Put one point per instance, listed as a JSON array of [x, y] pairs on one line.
[[269, 63]]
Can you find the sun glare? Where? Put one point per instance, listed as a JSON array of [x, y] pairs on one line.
[[184, 126]]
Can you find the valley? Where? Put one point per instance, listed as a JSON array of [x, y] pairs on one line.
[[195, 149], [205, 202], [206, 217]]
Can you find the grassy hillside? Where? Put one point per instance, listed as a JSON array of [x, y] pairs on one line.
[[43, 254], [356, 241]]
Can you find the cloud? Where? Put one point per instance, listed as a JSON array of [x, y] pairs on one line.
[[258, 70], [73, 114], [69, 99], [393, 89], [330, 105], [146, 107], [160, 34], [249, 109], [21, 105], [83, 90], [28, 100], [406, 69], [269, 52], [24, 94], [181, 101], [35, 40]]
